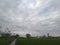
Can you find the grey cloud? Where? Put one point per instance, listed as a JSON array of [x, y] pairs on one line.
[[23, 20]]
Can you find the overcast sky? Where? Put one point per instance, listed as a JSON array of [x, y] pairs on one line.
[[37, 17]]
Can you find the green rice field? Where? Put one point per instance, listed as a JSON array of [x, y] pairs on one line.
[[38, 42], [6, 41]]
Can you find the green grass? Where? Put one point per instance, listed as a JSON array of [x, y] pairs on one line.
[[6, 41], [38, 42]]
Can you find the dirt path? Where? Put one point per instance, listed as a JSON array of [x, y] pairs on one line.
[[13, 43]]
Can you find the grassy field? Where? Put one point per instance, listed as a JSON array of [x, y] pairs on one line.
[[38, 42], [6, 41]]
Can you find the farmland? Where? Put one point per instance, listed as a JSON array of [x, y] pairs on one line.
[[38, 42], [6, 41]]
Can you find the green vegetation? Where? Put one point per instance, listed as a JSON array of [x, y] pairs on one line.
[[38, 42], [6, 41]]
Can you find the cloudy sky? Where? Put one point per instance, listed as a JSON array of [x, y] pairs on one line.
[[37, 17]]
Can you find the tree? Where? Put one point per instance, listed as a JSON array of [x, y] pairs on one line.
[[0, 27], [6, 33], [47, 34], [17, 35], [28, 35]]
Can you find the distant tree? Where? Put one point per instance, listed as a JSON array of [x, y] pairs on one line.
[[47, 34], [0, 27], [6, 33], [28, 35], [44, 36], [17, 35]]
